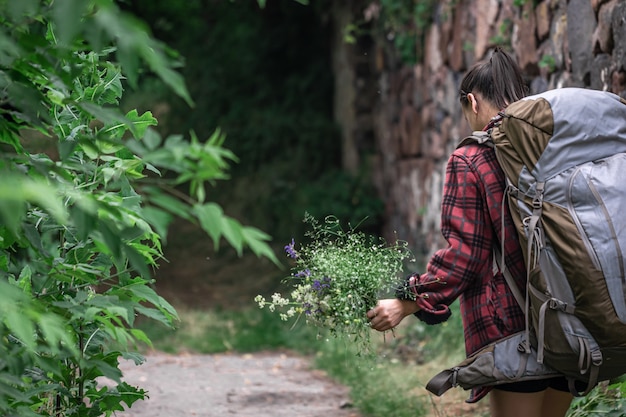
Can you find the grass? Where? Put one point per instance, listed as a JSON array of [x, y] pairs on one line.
[[249, 330], [390, 383]]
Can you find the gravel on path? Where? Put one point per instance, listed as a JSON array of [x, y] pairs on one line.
[[250, 385]]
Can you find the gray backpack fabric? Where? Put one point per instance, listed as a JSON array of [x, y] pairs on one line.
[[502, 362], [563, 153]]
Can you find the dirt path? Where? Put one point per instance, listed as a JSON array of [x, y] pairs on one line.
[[266, 384], [255, 385]]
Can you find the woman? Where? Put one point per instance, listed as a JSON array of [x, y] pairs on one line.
[[471, 223]]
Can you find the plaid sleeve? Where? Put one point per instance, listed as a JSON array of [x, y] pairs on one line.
[[468, 231]]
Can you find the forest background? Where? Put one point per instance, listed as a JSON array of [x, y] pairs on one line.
[[353, 109], [346, 108]]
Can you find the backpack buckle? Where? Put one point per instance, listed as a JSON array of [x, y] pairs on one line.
[[555, 304], [455, 373], [538, 200], [523, 346]]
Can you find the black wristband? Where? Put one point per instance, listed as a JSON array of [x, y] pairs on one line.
[[406, 290]]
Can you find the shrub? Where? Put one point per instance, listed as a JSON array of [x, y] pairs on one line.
[[82, 224]]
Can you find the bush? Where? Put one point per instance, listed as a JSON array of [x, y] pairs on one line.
[[81, 226]]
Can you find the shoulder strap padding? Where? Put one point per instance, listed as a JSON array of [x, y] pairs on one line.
[[480, 137]]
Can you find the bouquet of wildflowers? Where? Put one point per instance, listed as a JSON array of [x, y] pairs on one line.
[[338, 277]]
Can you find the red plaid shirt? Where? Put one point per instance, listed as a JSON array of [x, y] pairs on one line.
[[471, 223]]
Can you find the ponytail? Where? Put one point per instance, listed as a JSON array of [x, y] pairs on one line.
[[499, 79]]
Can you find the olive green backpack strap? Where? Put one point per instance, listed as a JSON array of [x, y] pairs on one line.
[[478, 136]]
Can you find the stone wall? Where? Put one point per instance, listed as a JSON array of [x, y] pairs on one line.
[[416, 114]]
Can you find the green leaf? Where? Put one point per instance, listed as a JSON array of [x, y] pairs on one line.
[[256, 240], [141, 336], [96, 368], [152, 139], [154, 314], [21, 325], [55, 333], [134, 43], [28, 99], [66, 148], [159, 219], [67, 16], [158, 63], [16, 191], [109, 116], [11, 212], [110, 243], [141, 123], [168, 203], [132, 121], [109, 88], [10, 137], [232, 232], [146, 293], [47, 197], [24, 280], [136, 260], [211, 218], [33, 237], [4, 261], [130, 394]]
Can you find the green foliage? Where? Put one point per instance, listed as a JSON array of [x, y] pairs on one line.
[[405, 23], [548, 62], [608, 400], [444, 340], [264, 76], [503, 38], [377, 388], [347, 197], [82, 219], [264, 80], [246, 330], [262, 3]]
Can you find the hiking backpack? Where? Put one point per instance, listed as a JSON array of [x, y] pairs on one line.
[[563, 153]]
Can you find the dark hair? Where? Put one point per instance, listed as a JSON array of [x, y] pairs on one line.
[[498, 79]]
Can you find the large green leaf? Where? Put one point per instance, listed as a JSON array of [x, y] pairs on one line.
[[20, 325], [134, 43], [210, 216], [231, 229], [16, 191], [68, 19], [159, 219], [257, 241], [168, 203], [54, 331]]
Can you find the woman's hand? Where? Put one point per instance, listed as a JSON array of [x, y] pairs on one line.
[[389, 313]]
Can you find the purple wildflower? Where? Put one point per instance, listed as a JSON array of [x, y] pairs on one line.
[[307, 308], [322, 285], [291, 252], [303, 274]]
